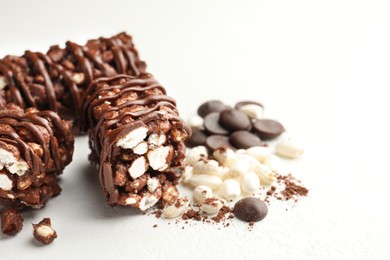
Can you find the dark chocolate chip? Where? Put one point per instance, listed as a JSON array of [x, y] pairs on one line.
[[268, 129], [234, 119], [211, 106], [243, 103], [212, 126], [213, 142], [244, 140], [250, 209], [198, 137]]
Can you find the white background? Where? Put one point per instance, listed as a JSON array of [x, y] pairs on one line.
[[320, 67]]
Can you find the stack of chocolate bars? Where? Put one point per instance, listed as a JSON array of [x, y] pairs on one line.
[[100, 88]]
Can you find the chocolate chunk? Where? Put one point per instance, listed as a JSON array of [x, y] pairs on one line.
[[43, 231], [211, 106], [11, 221], [197, 138], [243, 103], [244, 140], [213, 142], [268, 129], [234, 119], [250, 209], [212, 126]]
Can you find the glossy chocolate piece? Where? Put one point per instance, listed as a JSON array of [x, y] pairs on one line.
[[210, 107], [244, 140], [268, 129], [234, 120], [197, 138], [212, 126], [213, 142], [250, 209]]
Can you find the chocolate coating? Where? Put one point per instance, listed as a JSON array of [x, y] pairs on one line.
[[234, 119], [56, 81], [268, 129], [211, 106], [244, 140], [114, 107], [250, 209], [197, 138], [212, 126]]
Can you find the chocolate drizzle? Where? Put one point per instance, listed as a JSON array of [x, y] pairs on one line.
[[115, 106], [56, 81], [18, 130]]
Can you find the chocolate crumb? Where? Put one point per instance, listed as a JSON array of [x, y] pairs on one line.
[[292, 188], [155, 225], [192, 214], [11, 221], [251, 224], [43, 231], [158, 213], [222, 214]]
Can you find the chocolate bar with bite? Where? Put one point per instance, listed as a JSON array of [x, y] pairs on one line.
[[136, 138]]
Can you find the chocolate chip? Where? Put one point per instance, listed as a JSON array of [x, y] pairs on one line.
[[243, 103], [198, 137], [213, 142], [234, 119], [250, 209], [244, 140], [212, 126], [268, 129], [211, 106]]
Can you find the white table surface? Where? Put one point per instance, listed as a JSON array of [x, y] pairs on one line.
[[320, 67]]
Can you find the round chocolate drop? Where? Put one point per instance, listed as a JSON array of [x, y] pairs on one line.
[[268, 129], [211, 106], [212, 126], [213, 142], [250, 209], [244, 140], [234, 119], [197, 138]]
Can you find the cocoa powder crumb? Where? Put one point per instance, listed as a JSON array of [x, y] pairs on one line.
[[287, 188], [292, 187], [192, 214], [158, 213], [271, 191], [221, 216]]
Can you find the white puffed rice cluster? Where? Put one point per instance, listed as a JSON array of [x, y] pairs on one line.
[[228, 174]]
